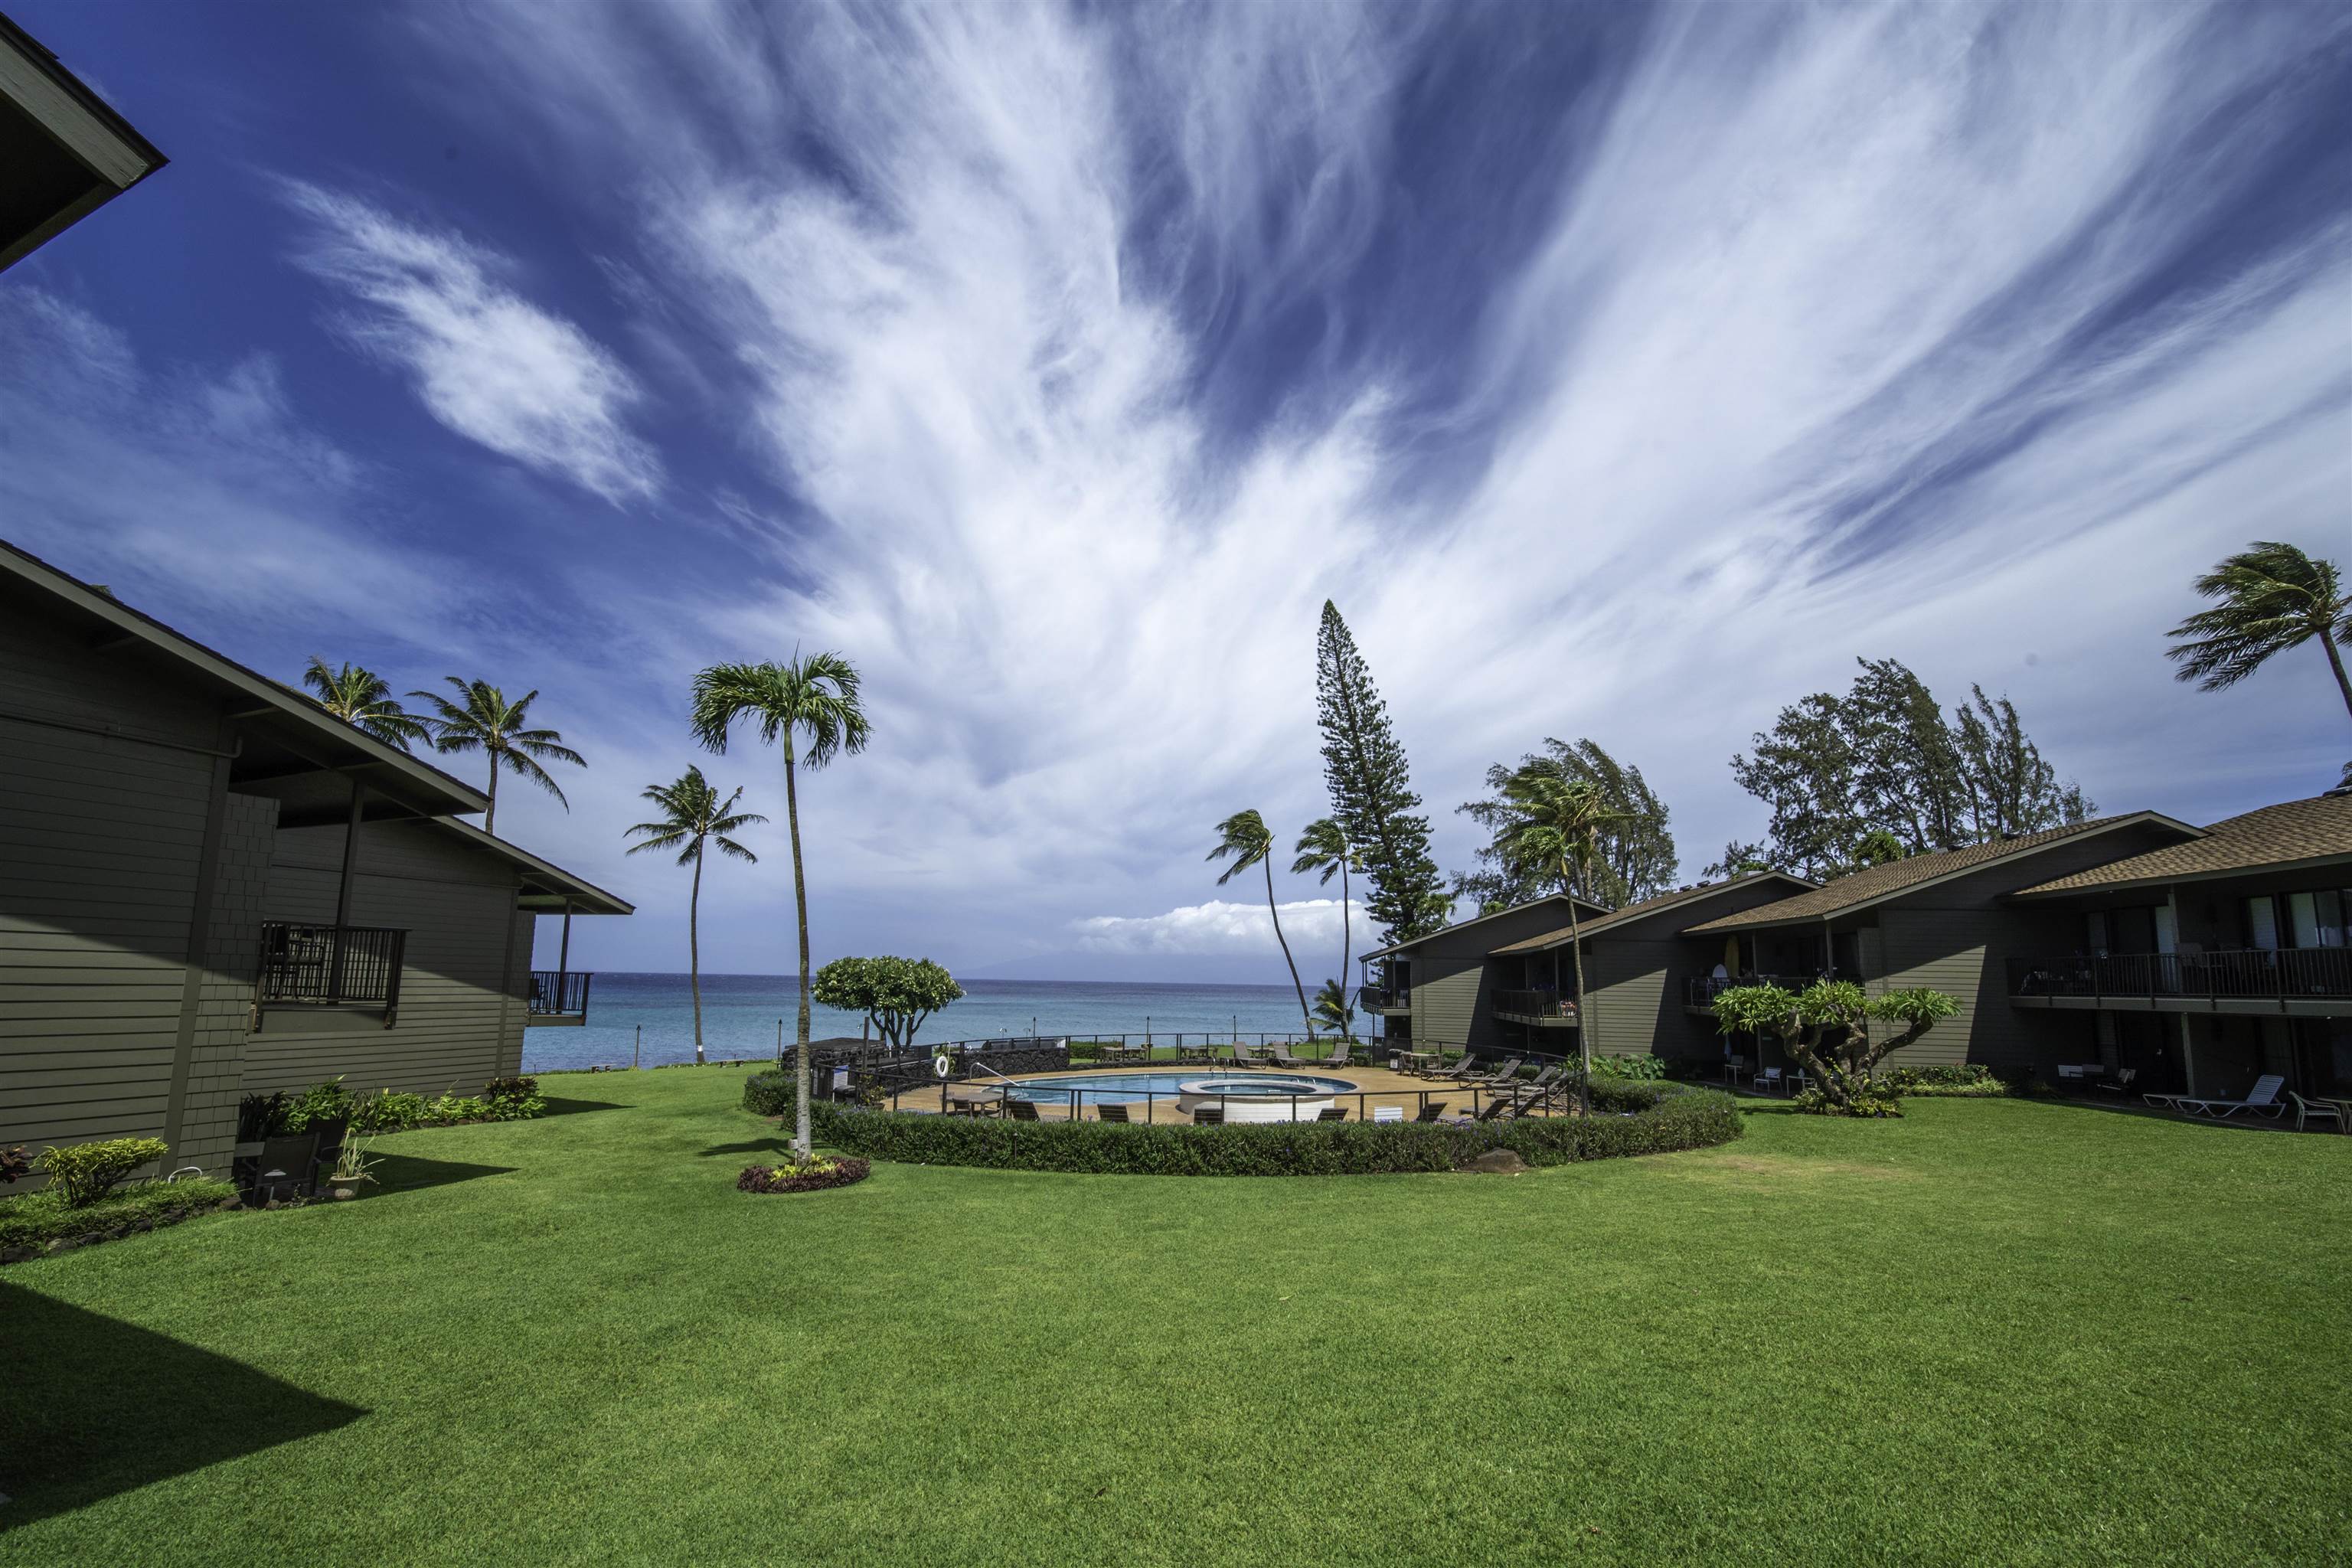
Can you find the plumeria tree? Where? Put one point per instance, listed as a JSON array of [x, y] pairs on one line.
[[1826, 1027], [897, 995]]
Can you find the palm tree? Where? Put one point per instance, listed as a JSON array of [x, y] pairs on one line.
[[483, 720], [815, 697], [1559, 821], [1324, 848], [360, 697], [1245, 838], [1331, 1008], [693, 815], [2272, 597]]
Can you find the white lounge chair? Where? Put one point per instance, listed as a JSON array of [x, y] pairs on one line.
[[2310, 1110], [2263, 1100], [1388, 1113]]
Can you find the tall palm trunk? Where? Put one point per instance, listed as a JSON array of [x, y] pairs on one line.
[[1584, 1024], [1304, 1012], [802, 1143], [491, 817], [694, 949], [2335, 663]]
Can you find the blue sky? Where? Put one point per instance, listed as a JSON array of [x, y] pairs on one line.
[[1620, 372]]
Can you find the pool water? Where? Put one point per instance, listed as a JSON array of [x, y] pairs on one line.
[[1131, 1088]]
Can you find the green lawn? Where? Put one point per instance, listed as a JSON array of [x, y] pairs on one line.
[[1994, 1331]]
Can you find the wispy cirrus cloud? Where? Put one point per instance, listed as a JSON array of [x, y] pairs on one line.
[[486, 362], [1219, 929]]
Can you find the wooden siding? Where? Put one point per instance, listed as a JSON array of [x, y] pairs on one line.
[[100, 837], [1451, 983], [451, 1032]]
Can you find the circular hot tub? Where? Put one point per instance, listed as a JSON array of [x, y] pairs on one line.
[[1246, 1097]]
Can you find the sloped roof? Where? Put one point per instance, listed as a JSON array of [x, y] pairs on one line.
[[1496, 915], [1875, 883], [1647, 907], [545, 885], [2313, 832]]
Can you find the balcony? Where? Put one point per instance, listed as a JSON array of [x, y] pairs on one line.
[[1385, 999], [329, 966], [2309, 981], [1699, 991], [557, 997], [1543, 1009]]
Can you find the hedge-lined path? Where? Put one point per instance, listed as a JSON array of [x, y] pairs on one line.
[[1995, 1330]]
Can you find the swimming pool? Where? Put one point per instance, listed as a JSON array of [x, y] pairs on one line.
[[1132, 1087]]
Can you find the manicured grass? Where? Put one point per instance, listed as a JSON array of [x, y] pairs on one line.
[[1994, 1331]]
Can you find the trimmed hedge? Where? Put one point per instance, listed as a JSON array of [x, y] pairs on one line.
[[1633, 1118], [38, 1218]]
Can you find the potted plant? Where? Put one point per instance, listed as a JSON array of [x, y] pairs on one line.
[[354, 1165]]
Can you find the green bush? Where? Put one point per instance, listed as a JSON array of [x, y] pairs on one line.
[[1963, 1081], [38, 1218], [769, 1094], [1645, 1067], [1631, 1118], [82, 1173], [385, 1111], [320, 1105], [1818, 1103]]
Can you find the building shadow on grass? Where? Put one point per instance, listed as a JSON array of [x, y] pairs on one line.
[[412, 1173], [557, 1107], [95, 1406]]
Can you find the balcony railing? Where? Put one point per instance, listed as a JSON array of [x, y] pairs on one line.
[[1384, 998], [1548, 1005], [1701, 990], [2282, 974], [329, 966], [558, 994]]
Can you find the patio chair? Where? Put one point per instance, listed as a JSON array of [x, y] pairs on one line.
[[1208, 1115], [1332, 1113], [1508, 1073], [1388, 1113], [2119, 1081], [1279, 1056], [1432, 1111], [1111, 1113], [1022, 1110], [2308, 1110], [1770, 1080], [1458, 1072], [1200, 1056], [1234, 1057], [1338, 1059], [2263, 1100]]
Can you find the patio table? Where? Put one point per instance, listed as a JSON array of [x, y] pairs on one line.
[[1421, 1062]]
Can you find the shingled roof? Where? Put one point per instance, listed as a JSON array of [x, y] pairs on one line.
[[1647, 907], [1559, 899], [1876, 882], [2314, 832]]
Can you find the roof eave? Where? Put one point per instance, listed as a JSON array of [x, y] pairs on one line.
[[2134, 884]]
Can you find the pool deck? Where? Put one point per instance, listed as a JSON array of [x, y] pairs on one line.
[[1377, 1085]]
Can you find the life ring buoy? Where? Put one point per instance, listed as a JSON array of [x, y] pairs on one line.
[[942, 1066]]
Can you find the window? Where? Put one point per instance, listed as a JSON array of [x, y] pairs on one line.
[[2167, 935], [2333, 904], [2303, 920], [2097, 920], [2262, 923]]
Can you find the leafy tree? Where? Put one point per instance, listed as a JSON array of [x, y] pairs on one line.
[[1838, 772], [809, 705], [693, 816], [1245, 839], [1331, 1009], [1826, 1027], [1634, 858], [361, 699], [1559, 823], [1371, 789], [1324, 848], [2271, 598], [483, 720], [897, 995]]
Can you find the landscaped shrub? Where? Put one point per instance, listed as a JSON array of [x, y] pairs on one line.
[[769, 1094], [1631, 1118], [1967, 1080], [260, 1116], [38, 1218], [385, 1111], [1645, 1066], [511, 1089], [803, 1175], [82, 1173], [1864, 1103], [15, 1164], [321, 1105]]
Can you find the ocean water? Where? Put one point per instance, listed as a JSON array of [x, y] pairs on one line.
[[740, 1013]]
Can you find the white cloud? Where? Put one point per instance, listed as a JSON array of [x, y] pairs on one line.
[[1220, 929], [487, 363]]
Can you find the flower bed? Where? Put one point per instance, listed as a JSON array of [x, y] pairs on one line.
[[809, 1175], [1630, 1118], [44, 1221]]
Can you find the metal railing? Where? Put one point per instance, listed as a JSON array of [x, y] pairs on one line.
[[315, 965], [557, 993], [2280, 974], [1468, 1101], [1701, 990], [1541, 1003], [1373, 998]]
